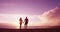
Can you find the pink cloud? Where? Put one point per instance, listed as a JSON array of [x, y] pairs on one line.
[[52, 17]]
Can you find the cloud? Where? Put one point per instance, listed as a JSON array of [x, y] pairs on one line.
[[8, 25], [51, 17]]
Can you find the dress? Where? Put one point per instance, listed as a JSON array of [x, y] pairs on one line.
[[20, 21]]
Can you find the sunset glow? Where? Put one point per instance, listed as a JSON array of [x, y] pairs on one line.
[[39, 12]]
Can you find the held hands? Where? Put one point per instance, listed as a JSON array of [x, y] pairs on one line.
[[23, 22]]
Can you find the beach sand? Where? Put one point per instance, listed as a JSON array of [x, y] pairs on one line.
[[31, 30]]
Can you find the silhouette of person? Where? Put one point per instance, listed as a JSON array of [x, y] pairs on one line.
[[20, 20], [26, 22]]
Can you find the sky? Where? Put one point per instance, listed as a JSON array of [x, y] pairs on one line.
[[30, 7], [39, 12]]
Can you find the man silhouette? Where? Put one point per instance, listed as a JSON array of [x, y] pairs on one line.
[[26, 22]]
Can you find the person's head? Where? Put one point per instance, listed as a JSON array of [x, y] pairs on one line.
[[26, 17], [20, 18]]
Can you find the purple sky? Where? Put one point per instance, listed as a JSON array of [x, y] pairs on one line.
[[31, 7]]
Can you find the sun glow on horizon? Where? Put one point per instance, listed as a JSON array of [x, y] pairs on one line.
[[34, 20], [14, 19]]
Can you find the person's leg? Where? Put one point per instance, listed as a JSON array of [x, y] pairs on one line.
[[20, 26], [25, 26]]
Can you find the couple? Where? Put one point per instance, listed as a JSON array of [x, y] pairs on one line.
[[25, 22]]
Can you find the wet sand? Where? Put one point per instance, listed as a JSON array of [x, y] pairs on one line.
[[31, 30]]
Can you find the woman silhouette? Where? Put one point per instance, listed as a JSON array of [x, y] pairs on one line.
[[20, 20]]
